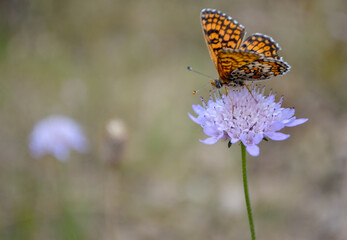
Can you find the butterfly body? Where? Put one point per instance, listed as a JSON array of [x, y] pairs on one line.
[[236, 62]]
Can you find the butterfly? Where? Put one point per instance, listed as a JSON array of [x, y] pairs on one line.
[[255, 58]]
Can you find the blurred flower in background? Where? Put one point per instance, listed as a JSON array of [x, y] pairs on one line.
[[57, 135], [114, 142], [245, 118]]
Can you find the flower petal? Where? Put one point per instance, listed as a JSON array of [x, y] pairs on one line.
[[210, 140], [211, 131], [251, 138], [61, 152], [276, 126], [276, 136], [234, 140], [258, 138], [253, 150], [287, 113], [234, 137], [198, 109], [297, 122], [196, 120]]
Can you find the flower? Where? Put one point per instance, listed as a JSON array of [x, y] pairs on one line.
[[114, 142], [56, 135], [239, 116]]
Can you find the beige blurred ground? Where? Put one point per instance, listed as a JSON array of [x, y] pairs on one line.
[[100, 60]]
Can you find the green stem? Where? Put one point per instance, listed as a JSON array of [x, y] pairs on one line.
[[245, 187]]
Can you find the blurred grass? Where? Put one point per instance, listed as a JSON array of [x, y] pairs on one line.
[[94, 61]]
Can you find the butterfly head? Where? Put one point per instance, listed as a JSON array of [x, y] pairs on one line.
[[216, 83]]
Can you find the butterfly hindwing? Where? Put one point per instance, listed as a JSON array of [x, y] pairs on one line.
[[230, 60], [262, 44], [260, 69]]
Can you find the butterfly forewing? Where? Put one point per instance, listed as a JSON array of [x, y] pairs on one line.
[[220, 32]]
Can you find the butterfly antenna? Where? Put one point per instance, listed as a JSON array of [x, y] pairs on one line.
[[196, 91], [202, 74]]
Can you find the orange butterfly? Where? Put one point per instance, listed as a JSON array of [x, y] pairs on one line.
[[254, 59]]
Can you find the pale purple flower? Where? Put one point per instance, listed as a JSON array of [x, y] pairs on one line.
[[57, 135], [247, 119]]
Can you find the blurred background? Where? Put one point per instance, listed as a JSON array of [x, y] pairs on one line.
[[118, 68]]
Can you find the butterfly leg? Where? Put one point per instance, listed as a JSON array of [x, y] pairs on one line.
[[232, 102], [249, 90]]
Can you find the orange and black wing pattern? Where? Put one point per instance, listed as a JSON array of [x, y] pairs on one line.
[[260, 69], [220, 32], [230, 60], [236, 65], [262, 44], [254, 59]]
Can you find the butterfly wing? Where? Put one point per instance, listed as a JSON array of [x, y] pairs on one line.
[[230, 60], [263, 45], [220, 32], [260, 69]]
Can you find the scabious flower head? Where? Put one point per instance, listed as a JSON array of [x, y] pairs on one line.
[[56, 135], [239, 116]]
